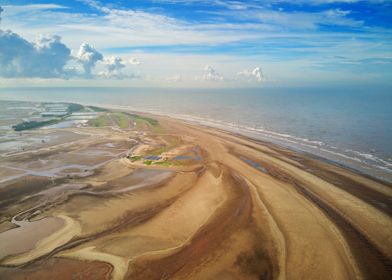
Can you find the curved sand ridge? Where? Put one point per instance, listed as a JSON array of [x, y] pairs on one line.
[[47, 244], [230, 208], [120, 265]]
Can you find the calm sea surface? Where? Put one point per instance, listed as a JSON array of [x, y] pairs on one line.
[[347, 126]]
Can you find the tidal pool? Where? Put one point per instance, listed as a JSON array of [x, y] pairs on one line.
[[25, 237]]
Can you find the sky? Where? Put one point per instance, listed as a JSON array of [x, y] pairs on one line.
[[196, 43]]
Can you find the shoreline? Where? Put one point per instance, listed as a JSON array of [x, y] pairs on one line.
[[305, 153], [230, 130]]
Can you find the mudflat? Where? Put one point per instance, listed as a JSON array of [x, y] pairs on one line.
[[156, 198]]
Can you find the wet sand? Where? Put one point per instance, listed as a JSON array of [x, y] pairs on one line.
[[228, 208], [61, 269], [25, 236]]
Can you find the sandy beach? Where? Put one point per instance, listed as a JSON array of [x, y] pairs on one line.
[[174, 200]]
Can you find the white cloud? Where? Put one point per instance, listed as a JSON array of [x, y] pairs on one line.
[[45, 58], [88, 56], [32, 7], [210, 74], [114, 66], [48, 57], [236, 5], [122, 27], [114, 28], [114, 63], [280, 20], [252, 75]]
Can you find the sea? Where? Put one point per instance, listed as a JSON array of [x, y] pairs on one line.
[[347, 126]]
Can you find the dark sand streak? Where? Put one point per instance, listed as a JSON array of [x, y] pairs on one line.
[[233, 215], [373, 263], [371, 196], [132, 219]]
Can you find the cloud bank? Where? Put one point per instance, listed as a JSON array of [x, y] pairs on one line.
[[45, 58], [49, 57]]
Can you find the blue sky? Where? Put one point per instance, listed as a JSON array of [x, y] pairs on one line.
[[195, 43]]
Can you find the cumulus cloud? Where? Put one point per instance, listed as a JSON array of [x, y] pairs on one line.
[[48, 57], [134, 61], [88, 56], [113, 65], [113, 68], [210, 75], [44, 58], [252, 75]]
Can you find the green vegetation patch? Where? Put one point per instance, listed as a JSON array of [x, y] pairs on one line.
[[135, 158], [119, 119], [165, 163], [72, 107], [34, 124], [139, 124], [99, 121], [148, 120], [122, 120]]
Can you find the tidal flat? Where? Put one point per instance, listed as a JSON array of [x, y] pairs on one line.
[[119, 195]]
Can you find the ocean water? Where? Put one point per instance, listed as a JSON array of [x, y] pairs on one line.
[[347, 126]]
